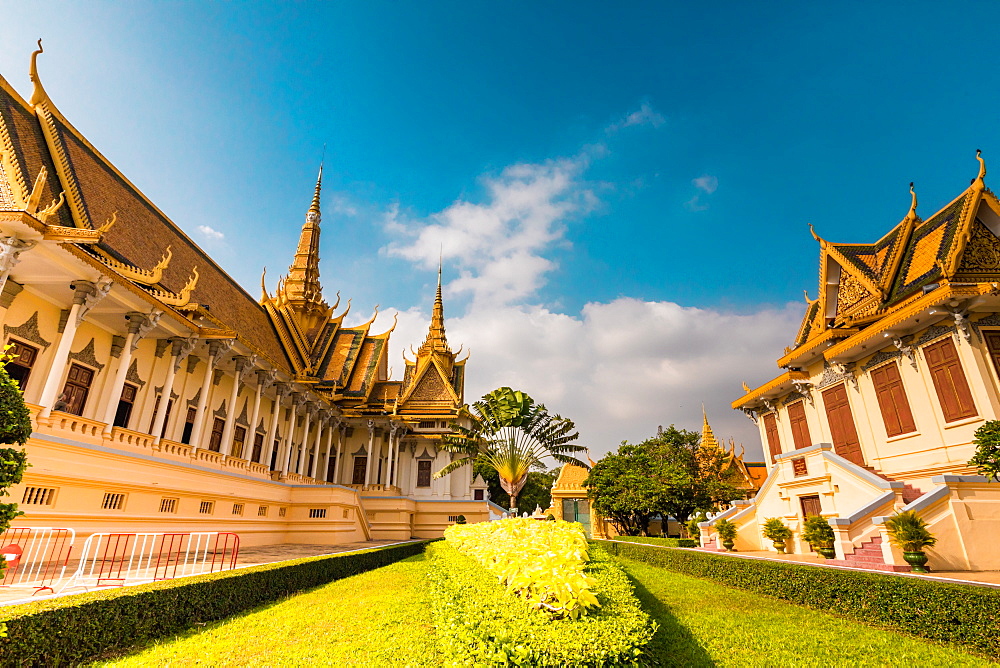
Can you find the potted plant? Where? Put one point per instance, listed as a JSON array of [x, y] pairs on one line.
[[908, 531], [727, 532], [987, 456], [692, 525], [776, 532], [819, 534]]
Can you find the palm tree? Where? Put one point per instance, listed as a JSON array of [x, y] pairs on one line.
[[511, 433]]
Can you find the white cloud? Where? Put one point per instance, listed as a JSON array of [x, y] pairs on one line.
[[211, 233], [643, 116], [707, 184], [621, 368], [498, 246]]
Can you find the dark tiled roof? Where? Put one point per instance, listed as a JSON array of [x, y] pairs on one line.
[[870, 259]]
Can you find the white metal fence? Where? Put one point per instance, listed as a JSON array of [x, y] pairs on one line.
[[36, 557]]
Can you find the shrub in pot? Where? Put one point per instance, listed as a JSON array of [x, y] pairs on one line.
[[908, 531], [776, 532], [819, 534], [987, 456], [692, 525], [727, 533]]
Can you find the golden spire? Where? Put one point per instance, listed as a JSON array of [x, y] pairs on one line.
[[436, 340], [911, 216], [302, 283], [708, 439]]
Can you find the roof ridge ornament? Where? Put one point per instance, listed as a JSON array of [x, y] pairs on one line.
[[38, 94], [980, 178], [911, 215], [812, 230]]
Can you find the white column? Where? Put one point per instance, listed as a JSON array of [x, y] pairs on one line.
[[216, 349], [390, 472], [264, 379], [331, 427], [286, 449], [86, 296], [371, 452], [242, 368], [139, 325], [280, 391], [320, 422], [341, 429], [179, 348], [301, 468]]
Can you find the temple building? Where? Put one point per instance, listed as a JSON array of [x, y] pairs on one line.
[[166, 398], [893, 369]]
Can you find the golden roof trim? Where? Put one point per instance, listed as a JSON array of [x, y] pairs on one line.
[[811, 344], [769, 386]]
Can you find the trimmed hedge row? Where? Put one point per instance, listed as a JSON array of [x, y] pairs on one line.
[[480, 623], [666, 542], [962, 614], [72, 629]]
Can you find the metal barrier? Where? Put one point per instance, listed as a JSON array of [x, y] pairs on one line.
[[36, 557], [117, 559]]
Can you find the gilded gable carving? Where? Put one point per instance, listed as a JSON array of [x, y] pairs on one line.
[[6, 194], [87, 356], [982, 252], [27, 331], [132, 375], [430, 388], [850, 293]]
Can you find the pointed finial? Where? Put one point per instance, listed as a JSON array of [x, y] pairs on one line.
[[314, 207], [708, 439], [38, 93], [982, 170], [812, 230], [263, 286]]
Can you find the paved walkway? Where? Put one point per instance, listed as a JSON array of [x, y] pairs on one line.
[[248, 556]]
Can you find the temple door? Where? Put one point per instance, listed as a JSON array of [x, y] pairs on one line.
[[842, 429], [810, 506]]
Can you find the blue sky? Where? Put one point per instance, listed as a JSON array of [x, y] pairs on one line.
[[622, 193]]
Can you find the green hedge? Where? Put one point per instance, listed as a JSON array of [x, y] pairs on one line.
[[666, 542], [72, 629], [962, 614], [479, 623]]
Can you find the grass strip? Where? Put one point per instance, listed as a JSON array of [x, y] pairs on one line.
[[958, 614], [71, 629], [378, 618], [702, 623]]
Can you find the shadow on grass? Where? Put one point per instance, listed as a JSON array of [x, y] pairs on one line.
[[673, 644]]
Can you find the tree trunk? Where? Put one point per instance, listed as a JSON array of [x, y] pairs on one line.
[[513, 503]]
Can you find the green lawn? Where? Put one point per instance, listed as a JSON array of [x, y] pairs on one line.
[[707, 624], [379, 618]]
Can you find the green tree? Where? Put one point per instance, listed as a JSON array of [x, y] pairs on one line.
[[15, 428], [537, 490], [987, 457], [512, 434], [669, 474], [624, 489]]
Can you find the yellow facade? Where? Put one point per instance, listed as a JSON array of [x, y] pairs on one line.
[[165, 397], [894, 368]]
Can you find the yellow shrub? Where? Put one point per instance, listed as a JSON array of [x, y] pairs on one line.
[[544, 562]]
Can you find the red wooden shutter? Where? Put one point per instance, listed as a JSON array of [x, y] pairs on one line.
[[992, 345], [800, 428], [842, 430], [949, 380], [892, 400], [771, 430]]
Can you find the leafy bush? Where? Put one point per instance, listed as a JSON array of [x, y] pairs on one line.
[[775, 530], [726, 529], [956, 613], [694, 531], [480, 623], [667, 542], [987, 457], [817, 532], [908, 531], [15, 428], [72, 629], [542, 561]]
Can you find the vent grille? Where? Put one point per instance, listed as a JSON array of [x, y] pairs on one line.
[[262, 511], [281, 512], [168, 505], [113, 501], [206, 507], [39, 496], [237, 509], [317, 513]]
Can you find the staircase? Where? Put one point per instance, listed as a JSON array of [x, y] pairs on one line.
[[868, 555], [910, 493]]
